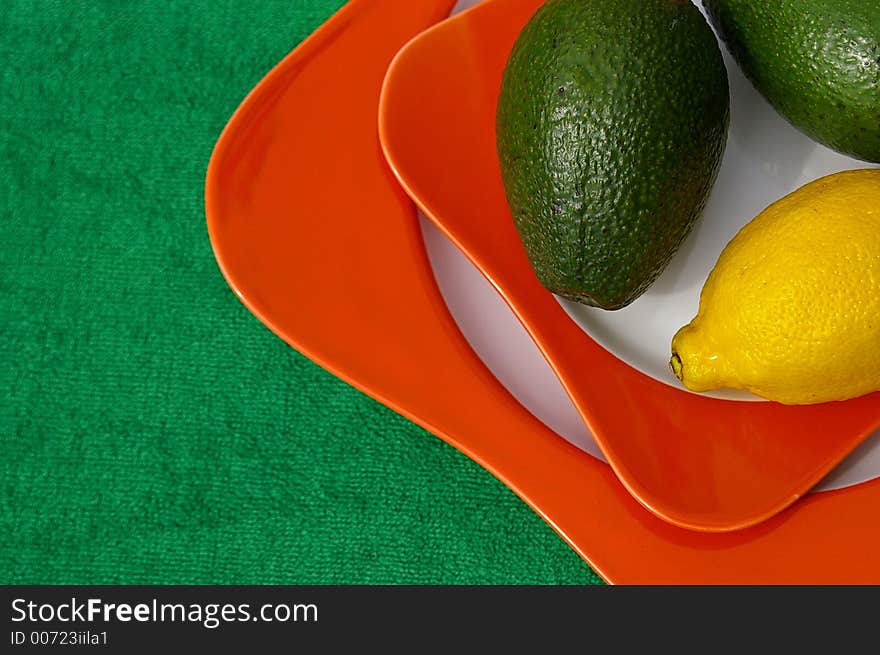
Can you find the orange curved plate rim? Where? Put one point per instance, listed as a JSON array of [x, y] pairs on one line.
[[697, 462], [402, 352]]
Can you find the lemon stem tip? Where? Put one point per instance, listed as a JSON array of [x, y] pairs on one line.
[[675, 365]]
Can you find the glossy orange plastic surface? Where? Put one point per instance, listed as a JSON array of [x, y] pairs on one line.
[[697, 462], [317, 239]]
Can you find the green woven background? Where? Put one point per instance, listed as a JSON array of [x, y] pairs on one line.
[[153, 431]]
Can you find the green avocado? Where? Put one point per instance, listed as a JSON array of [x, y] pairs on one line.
[[816, 61], [611, 123]]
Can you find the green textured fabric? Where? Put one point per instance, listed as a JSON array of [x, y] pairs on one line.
[[153, 430]]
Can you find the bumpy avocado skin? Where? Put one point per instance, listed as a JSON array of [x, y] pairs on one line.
[[816, 61], [611, 124]]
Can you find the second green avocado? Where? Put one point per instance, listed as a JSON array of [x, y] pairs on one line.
[[816, 61], [611, 124]]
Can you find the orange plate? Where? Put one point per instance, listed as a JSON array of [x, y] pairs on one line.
[[316, 238], [696, 461]]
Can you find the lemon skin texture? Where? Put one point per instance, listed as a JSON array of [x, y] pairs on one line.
[[791, 310]]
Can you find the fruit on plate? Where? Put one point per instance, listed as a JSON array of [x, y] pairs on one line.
[[791, 310], [611, 123], [816, 61]]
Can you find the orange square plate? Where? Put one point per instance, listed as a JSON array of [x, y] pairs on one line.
[[700, 462], [314, 235]]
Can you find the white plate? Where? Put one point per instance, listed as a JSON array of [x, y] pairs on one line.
[[765, 159]]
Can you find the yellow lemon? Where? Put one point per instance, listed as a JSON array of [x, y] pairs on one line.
[[791, 310]]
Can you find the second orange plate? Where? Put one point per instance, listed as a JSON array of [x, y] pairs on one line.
[[316, 238], [698, 462]]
